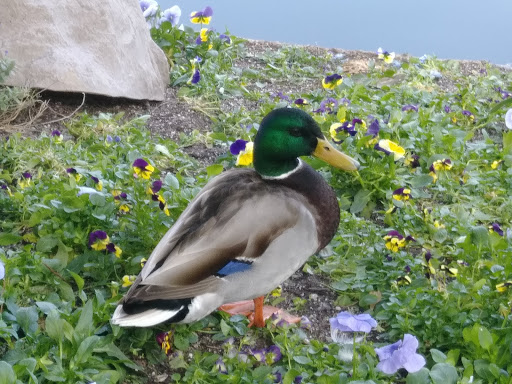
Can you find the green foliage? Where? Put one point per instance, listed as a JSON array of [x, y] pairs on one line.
[[58, 294]]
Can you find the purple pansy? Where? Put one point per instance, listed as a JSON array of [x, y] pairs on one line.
[[56, 132], [297, 380], [447, 109], [410, 107], [199, 17], [305, 323], [237, 147], [221, 366], [428, 256], [225, 38], [156, 186], [148, 7], [95, 179], [71, 171], [329, 105], [268, 355], [196, 77], [109, 139], [373, 129], [465, 112], [172, 15], [300, 102], [401, 354], [281, 95], [96, 236], [26, 175], [117, 139], [347, 322], [407, 269], [495, 227], [278, 377]]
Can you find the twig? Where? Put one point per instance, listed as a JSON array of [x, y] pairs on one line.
[[68, 116]]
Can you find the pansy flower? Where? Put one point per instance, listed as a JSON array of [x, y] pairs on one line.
[[332, 81], [329, 105], [118, 199], [6, 188], [203, 36], [112, 248], [300, 102], [394, 241], [401, 354], [402, 194], [447, 109], [346, 127], [502, 287], [172, 15], [148, 7], [57, 136], [386, 56], [450, 270], [432, 172], [495, 227], [164, 341], [281, 96], [221, 366], [412, 160], [410, 107], [245, 156], [268, 355], [237, 146], [195, 78], [508, 119], [442, 165], [98, 184], [202, 17], [26, 180], [347, 322], [98, 240], [128, 280], [495, 164], [225, 39], [404, 280], [142, 168], [390, 147], [467, 113]]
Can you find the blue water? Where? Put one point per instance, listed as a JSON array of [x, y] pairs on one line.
[[449, 29]]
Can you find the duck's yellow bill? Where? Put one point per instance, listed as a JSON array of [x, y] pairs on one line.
[[326, 152]]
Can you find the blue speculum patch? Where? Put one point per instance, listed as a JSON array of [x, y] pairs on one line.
[[234, 266]]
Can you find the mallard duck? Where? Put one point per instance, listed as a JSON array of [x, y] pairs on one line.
[[246, 231]]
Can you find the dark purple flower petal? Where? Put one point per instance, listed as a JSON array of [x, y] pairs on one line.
[[407, 269], [111, 248], [379, 148], [395, 234], [300, 102], [297, 380], [95, 179], [428, 256], [71, 170], [154, 197], [117, 139], [221, 366], [196, 77], [332, 78], [156, 186], [273, 354], [96, 235], [410, 107], [277, 377], [466, 113], [26, 175], [447, 109], [237, 147], [410, 238], [344, 101], [389, 258], [373, 129], [207, 12], [56, 132], [225, 38], [140, 163], [496, 228]]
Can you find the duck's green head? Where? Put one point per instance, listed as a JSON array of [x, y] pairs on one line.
[[288, 133]]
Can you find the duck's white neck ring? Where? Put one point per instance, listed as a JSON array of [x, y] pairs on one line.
[[285, 175]]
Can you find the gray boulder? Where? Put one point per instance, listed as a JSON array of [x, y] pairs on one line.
[[93, 46]]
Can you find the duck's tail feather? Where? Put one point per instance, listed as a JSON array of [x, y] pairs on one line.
[[150, 313]]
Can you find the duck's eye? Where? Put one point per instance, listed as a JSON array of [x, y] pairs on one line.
[[295, 132]]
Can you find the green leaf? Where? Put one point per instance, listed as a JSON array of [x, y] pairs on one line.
[[85, 349], [6, 373], [420, 377], [163, 150], [27, 319], [360, 200], [290, 376], [443, 373], [9, 238], [367, 300], [97, 199], [438, 356], [47, 243], [181, 342], [302, 359], [85, 325], [224, 327], [421, 181], [53, 325], [507, 142], [171, 181], [78, 280], [261, 372], [484, 338], [214, 169], [452, 357], [480, 236]]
